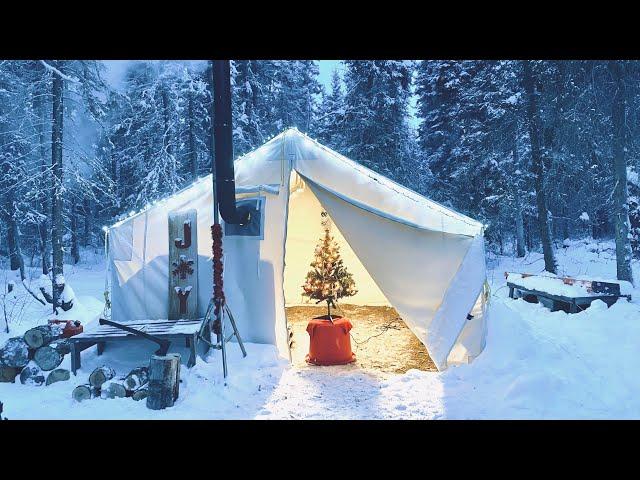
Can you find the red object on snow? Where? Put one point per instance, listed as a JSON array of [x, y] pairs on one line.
[[71, 327], [329, 343]]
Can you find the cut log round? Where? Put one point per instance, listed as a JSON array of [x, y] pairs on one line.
[[176, 387], [101, 375], [58, 375], [41, 335], [140, 394], [163, 375], [62, 345], [136, 378], [14, 353], [82, 392], [8, 374], [47, 358], [32, 374], [113, 389]]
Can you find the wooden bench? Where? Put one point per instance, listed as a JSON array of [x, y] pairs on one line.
[[575, 304], [174, 330]]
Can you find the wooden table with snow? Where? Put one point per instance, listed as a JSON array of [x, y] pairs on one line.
[[183, 330], [558, 293]]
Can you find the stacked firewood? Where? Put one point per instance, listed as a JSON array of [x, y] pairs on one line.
[[103, 383], [35, 357]]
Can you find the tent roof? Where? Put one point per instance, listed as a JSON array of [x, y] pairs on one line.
[[268, 165], [350, 181]]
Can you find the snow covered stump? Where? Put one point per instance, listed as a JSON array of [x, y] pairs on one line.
[[164, 381]]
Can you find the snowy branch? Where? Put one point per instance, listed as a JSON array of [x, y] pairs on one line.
[[59, 73]]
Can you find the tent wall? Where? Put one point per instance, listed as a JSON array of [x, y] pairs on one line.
[[253, 268], [139, 255], [458, 300], [253, 278], [472, 339], [303, 232]]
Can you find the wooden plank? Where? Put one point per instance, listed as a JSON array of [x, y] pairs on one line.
[[139, 323], [192, 327], [167, 325], [157, 329], [155, 322], [183, 264], [108, 338], [177, 338]]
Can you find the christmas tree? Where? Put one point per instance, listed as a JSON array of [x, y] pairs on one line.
[[329, 280]]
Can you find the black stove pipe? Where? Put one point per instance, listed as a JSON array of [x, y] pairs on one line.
[[224, 175]]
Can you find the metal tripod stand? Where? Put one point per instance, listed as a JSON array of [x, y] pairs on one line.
[[221, 339]]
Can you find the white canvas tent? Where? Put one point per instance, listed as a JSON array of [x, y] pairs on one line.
[[425, 260]]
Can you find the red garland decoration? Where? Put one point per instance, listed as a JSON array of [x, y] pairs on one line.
[[218, 293]]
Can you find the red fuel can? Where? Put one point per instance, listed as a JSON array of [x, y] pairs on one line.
[[71, 327], [329, 342]]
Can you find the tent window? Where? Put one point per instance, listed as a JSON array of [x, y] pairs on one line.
[[255, 227]]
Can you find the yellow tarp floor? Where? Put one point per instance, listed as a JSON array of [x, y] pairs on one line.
[[380, 339]]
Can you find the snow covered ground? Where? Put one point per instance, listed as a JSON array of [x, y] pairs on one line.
[[536, 364]]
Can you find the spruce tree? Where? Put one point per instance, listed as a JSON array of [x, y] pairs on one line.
[[329, 121], [375, 124]]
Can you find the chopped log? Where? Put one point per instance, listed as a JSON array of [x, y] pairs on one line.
[[136, 378], [140, 394], [62, 345], [163, 376], [8, 374], [32, 374], [41, 335], [82, 392], [58, 375], [47, 358], [113, 389], [101, 375], [176, 389], [14, 353]]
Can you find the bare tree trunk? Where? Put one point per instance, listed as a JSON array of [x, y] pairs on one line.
[[193, 153], [538, 168], [16, 262], [57, 91], [565, 222], [168, 136], [620, 195], [520, 248], [75, 248], [528, 233], [45, 207], [13, 242], [86, 212], [117, 181], [520, 242]]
